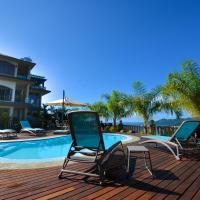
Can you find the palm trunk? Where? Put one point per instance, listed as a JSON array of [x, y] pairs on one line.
[[114, 122], [145, 125]]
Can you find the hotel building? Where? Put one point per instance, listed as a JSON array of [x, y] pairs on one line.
[[20, 91]]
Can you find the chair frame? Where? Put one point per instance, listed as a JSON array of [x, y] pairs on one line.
[[99, 154], [8, 133], [177, 144], [32, 131]]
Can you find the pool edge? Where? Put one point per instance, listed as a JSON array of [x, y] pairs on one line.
[[50, 163]]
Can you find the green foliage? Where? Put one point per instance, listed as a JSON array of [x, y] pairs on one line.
[[101, 108], [120, 126], [139, 88], [152, 127], [146, 103], [113, 129], [115, 105], [171, 106], [4, 119], [184, 88], [182, 91], [44, 115], [113, 108]]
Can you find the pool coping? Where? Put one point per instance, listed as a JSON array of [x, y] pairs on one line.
[[50, 163], [30, 139]]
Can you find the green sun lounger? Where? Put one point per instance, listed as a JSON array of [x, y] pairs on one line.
[[182, 135], [8, 133], [87, 141], [26, 127]]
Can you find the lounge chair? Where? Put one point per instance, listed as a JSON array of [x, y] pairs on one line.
[[180, 137], [26, 127], [63, 128], [87, 141], [8, 133]]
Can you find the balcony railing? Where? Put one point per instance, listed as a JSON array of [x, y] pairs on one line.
[[159, 130], [38, 87], [5, 97], [24, 77]]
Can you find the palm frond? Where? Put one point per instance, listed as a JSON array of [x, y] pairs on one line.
[[139, 88], [184, 87]]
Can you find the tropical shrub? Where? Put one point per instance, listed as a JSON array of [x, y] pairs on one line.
[[4, 119]]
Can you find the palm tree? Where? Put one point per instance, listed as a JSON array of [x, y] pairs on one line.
[[146, 103], [101, 108], [184, 87], [115, 106], [44, 115]]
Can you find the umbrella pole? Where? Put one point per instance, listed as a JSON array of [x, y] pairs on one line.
[[63, 106]]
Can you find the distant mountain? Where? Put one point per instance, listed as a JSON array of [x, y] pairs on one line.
[[161, 122]]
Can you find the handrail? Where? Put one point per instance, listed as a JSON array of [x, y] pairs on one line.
[[159, 130]]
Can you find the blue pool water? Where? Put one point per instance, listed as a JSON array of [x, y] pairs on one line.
[[45, 149], [160, 137]]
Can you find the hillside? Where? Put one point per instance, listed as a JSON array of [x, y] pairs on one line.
[[170, 122]]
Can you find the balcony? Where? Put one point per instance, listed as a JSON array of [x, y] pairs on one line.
[[5, 93], [19, 103], [23, 77], [6, 98], [40, 87]]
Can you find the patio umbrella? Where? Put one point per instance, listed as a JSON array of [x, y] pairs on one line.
[[67, 102]]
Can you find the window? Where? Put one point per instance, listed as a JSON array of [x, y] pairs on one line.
[[22, 72], [7, 68], [5, 93], [20, 95]]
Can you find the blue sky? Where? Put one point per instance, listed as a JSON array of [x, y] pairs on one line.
[[90, 47]]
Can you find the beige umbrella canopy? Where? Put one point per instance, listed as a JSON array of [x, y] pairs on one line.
[[67, 102]]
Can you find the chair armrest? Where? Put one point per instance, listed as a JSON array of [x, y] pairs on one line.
[[114, 146], [111, 150]]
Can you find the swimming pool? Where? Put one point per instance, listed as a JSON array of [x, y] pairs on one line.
[[48, 149]]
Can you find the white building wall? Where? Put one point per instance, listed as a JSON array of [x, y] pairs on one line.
[[11, 85]]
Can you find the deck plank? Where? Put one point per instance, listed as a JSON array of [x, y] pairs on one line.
[[174, 175], [182, 175], [37, 187], [174, 180], [143, 177]]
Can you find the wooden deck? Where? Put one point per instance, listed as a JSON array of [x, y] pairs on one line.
[[174, 180]]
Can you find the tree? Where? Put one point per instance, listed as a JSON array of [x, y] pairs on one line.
[[184, 88], [146, 103], [115, 106], [101, 108], [44, 115]]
